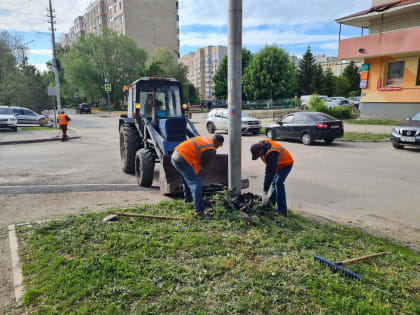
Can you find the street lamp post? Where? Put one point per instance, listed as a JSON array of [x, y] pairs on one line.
[[107, 92]]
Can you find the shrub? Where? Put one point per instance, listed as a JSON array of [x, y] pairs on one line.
[[315, 101], [340, 112]]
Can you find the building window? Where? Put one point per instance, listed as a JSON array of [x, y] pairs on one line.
[[418, 74], [395, 70]]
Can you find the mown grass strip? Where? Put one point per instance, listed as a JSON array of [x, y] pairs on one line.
[[383, 122], [218, 265], [39, 128], [357, 136]]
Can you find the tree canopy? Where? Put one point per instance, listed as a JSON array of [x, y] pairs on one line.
[[270, 75]]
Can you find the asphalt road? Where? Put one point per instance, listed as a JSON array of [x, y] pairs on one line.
[[370, 185]]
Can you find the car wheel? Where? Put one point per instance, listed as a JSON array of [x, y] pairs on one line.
[[307, 139], [329, 141], [145, 167], [397, 146], [269, 134], [255, 132], [14, 129], [210, 127]]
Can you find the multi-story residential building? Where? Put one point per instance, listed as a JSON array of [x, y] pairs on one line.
[[390, 75], [151, 24], [337, 67], [202, 66]]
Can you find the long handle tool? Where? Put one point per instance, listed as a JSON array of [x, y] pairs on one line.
[[336, 267], [124, 214]]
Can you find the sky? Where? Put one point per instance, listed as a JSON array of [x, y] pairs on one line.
[[292, 25]]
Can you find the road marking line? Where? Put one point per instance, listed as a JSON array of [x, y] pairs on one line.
[[66, 185], [16, 265]]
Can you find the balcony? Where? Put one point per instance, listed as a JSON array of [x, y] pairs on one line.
[[384, 44]]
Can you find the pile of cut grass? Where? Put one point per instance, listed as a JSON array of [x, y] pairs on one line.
[[218, 265]]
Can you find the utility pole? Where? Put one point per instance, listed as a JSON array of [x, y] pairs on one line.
[[235, 93], [57, 81]]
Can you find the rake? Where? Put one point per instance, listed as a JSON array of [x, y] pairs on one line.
[[337, 267], [125, 214]]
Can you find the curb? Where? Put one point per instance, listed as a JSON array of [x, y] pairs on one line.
[[16, 265], [380, 140], [39, 140]]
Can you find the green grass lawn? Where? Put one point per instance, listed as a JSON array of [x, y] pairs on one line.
[[218, 265], [355, 136], [384, 122]]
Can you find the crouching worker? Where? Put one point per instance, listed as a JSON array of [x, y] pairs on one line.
[[188, 158], [279, 163]]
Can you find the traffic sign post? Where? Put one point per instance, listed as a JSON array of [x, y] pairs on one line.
[[108, 88]]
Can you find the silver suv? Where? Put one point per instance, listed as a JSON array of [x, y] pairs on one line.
[[218, 119], [7, 118]]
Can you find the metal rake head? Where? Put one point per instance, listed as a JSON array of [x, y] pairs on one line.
[[345, 272]]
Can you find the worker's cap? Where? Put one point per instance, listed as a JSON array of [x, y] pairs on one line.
[[62, 111], [255, 150], [219, 138]]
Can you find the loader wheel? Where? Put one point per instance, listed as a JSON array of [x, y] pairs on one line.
[[145, 166], [210, 127], [129, 144]]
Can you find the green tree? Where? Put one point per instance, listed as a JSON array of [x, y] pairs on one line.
[[7, 59], [306, 74], [94, 58], [26, 87], [342, 86], [328, 84], [270, 75], [318, 80], [221, 76], [352, 73], [164, 64]]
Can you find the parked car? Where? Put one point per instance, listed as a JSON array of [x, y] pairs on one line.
[[337, 101], [407, 133], [218, 119], [26, 116], [304, 99], [7, 118], [307, 127], [355, 101], [83, 108]]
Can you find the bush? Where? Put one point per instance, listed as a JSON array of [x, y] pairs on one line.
[[315, 101], [341, 112]]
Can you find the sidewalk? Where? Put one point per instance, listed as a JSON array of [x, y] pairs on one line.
[[31, 136]]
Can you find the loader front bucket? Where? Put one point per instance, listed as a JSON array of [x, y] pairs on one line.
[[171, 183]]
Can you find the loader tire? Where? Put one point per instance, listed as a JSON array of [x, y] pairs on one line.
[[130, 143], [145, 167]]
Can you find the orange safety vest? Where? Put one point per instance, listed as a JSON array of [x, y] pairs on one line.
[[284, 159], [192, 149], [62, 119]]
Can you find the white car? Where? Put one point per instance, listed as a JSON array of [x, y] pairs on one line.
[[25, 116], [218, 119], [7, 118]]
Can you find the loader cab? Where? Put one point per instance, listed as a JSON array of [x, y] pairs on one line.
[[155, 98]]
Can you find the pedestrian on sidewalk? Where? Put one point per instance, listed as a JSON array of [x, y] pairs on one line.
[[279, 163], [63, 121], [188, 158]]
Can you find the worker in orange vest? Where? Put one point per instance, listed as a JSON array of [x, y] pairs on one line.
[[63, 121], [279, 163], [188, 158]]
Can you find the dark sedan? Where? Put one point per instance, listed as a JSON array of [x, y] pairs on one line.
[[307, 127], [83, 108], [407, 133]]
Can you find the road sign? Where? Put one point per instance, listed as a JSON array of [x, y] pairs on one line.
[[52, 91], [76, 96], [108, 87]]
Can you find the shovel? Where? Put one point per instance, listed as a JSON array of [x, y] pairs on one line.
[[117, 214]]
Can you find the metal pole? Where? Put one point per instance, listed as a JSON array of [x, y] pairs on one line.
[[109, 104], [57, 81], [235, 93]]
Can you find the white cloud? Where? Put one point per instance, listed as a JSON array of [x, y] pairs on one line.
[[44, 52], [31, 15], [254, 38], [41, 67], [329, 46], [269, 12]]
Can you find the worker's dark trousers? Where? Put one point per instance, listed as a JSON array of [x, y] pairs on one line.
[[193, 189], [278, 191], [64, 131]]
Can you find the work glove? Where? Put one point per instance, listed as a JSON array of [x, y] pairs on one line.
[[265, 198]]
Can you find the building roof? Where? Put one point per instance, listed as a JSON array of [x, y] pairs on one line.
[[361, 19]]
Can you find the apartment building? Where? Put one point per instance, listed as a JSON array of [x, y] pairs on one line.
[[337, 67], [151, 24], [390, 74], [202, 66]]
